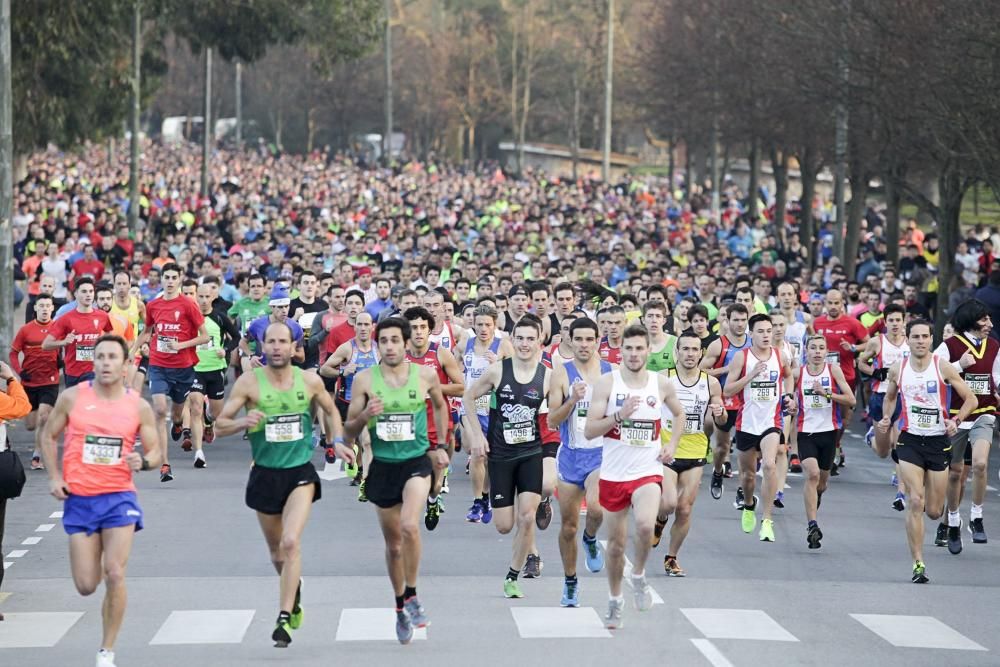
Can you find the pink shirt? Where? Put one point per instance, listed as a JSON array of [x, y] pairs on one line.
[[99, 434]]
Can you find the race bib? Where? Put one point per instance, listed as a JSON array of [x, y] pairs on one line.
[[483, 405], [796, 348], [763, 391], [102, 450], [638, 433], [164, 345], [580, 416], [394, 427], [693, 422], [816, 401], [84, 352], [925, 417], [833, 358], [283, 428], [979, 383], [210, 345], [518, 433]]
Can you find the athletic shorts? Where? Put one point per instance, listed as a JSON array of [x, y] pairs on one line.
[[510, 478], [821, 446], [573, 466], [927, 452], [210, 383], [92, 514], [875, 407], [550, 450], [342, 407], [330, 384], [143, 365], [73, 380], [616, 496], [730, 421], [852, 381], [387, 479], [44, 395], [747, 441], [982, 429], [683, 465], [268, 488], [174, 382]]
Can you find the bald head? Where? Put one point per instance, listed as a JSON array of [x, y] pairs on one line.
[[834, 303]]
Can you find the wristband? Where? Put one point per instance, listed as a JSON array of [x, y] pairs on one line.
[[145, 464], [829, 395], [338, 440]]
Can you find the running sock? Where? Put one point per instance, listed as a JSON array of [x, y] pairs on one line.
[[752, 508], [976, 512], [513, 574], [571, 579], [485, 498], [284, 616], [954, 519], [431, 500], [588, 538], [399, 602], [620, 599], [813, 523], [409, 592]]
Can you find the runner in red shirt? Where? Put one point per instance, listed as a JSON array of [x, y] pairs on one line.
[[177, 327], [76, 332], [39, 371], [610, 347], [88, 266], [845, 336]]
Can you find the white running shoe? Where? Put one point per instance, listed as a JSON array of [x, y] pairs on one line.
[[105, 658]]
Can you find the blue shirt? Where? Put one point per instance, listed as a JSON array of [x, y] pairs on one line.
[[258, 328], [375, 308], [65, 309]]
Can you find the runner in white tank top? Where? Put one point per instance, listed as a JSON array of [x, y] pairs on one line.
[[780, 325]]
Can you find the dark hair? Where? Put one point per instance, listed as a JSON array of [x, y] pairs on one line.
[[759, 317], [103, 286], [171, 266], [419, 313], [733, 308], [968, 314], [256, 276], [485, 310], [355, 292], [394, 322], [583, 323], [699, 309], [562, 287], [85, 280], [687, 333], [657, 289], [635, 331], [111, 338], [919, 321], [654, 305], [530, 320], [189, 282], [211, 280], [895, 308]]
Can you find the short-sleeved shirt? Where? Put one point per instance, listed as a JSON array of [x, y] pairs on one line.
[[78, 357], [40, 367], [257, 329], [844, 328], [176, 319]]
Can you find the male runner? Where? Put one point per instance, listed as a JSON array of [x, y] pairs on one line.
[[39, 371], [799, 324], [280, 400], [101, 513], [76, 333], [662, 345], [579, 458], [972, 343], [124, 304], [176, 325], [922, 383], [280, 303], [513, 440], [626, 409], [757, 375], [700, 394], [610, 347], [304, 309], [820, 391], [779, 325], [388, 400], [252, 306]]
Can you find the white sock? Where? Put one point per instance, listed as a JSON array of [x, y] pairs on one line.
[[976, 512], [954, 519], [620, 599]]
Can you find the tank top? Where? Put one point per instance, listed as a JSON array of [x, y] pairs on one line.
[[208, 360], [663, 359], [979, 376], [95, 445], [362, 360], [131, 314], [632, 448], [283, 439], [760, 399], [817, 413], [571, 430], [888, 354], [400, 433], [694, 398], [474, 367], [430, 359], [924, 397], [795, 335], [610, 354], [445, 339], [513, 431], [729, 350]]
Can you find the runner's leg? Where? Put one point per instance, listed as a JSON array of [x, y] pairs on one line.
[[687, 492], [913, 477], [117, 545], [645, 503], [570, 497]]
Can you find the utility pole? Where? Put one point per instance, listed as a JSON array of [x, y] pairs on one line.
[[387, 135], [609, 70], [239, 106], [207, 115], [133, 167], [840, 136], [6, 187]]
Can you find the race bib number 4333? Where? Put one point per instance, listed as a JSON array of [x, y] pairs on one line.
[[102, 450]]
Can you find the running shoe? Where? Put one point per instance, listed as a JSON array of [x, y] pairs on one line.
[[870, 437], [467, 462], [613, 619], [36, 463], [977, 530], [716, 487], [672, 567], [512, 589], [813, 536], [779, 500], [543, 515], [767, 530], [356, 481], [919, 573], [362, 496], [570, 595], [658, 531], [282, 635], [955, 539], [842, 461], [894, 480], [352, 468], [533, 566], [186, 442], [295, 620], [740, 498], [418, 617], [487, 511], [431, 518], [175, 431], [941, 536], [899, 504], [444, 483], [209, 433], [643, 593], [727, 470], [835, 470], [475, 514], [199, 459], [166, 474], [105, 658], [748, 520], [404, 629], [592, 555], [330, 455], [794, 464]]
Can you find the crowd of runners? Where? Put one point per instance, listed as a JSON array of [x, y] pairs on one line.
[[565, 344]]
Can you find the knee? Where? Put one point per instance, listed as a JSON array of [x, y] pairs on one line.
[[86, 587], [114, 574], [683, 512], [616, 549], [568, 528], [409, 530], [503, 528], [812, 476], [955, 475], [161, 411], [934, 512], [197, 408], [525, 518], [289, 546], [916, 502], [394, 548], [978, 468], [768, 467], [644, 533]]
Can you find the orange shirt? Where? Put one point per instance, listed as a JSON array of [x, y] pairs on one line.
[[95, 447], [120, 326]]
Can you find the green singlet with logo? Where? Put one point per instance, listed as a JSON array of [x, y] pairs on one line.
[[663, 359], [283, 439], [400, 432], [208, 360]]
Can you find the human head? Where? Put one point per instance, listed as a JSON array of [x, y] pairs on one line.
[[583, 336], [110, 353], [391, 335]]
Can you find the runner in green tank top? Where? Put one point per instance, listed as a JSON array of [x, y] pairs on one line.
[[393, 400], [283, 484], [662, 345]]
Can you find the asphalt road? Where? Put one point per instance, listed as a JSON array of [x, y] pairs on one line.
[[202, 590]]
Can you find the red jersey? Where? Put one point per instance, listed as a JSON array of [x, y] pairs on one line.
[[612, 355], [88, 327], [176, 319], [93, 268], [40, 367], [430, 359], [338, 335], [844, 328]]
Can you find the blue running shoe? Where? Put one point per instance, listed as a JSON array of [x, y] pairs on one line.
[[593, 555], [870, 437], [475, 514], [571, 595], [487, 512], [894, 480]]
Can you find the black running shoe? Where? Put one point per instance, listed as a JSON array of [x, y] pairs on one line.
[[166, 474], [835, 470], [941, 537], [740, 499], [977, 530], [543, 515], [794, 465], [175, 431], [533, 567], [433, 514], [186, 442], [813, 536], [716, 487], [282, 635], [727, 470], [955, 539], [919, 573]]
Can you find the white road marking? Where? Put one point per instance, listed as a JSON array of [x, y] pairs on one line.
[[916, 632], [30, 541], [558, 623], [360, 625], [36, 629], [332, 471], [56, 515], [737, 624], [17, 553], [222, 626], [45, 527], [627, 574], [711, 653], [7, 564]]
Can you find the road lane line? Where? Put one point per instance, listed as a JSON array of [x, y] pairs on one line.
[[45, 527], [711, 653]]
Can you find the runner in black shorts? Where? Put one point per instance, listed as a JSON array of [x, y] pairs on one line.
[[39, 371]]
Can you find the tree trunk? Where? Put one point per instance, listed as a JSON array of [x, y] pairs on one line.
[[310, 129], [855, 212], [472, 144], [952, 190], [672, 161], [779, 166], [688, 169], [575, 126], [807, 174], [207, 133], [514, 69], [754, 180], [892, 200], [522, 129]]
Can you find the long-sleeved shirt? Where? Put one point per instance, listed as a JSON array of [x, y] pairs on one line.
[[14, 404]]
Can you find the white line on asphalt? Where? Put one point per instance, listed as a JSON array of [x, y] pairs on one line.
[[56, 515], [30, 541], [627, 574], [711, 653], [45, 527], [331, 472], [17, 553], [6, 564]]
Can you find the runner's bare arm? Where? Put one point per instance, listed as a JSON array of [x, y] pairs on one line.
[[330, 367], [889, 402], [845, 396], [561, 403], [200, 339], [715, 399], [483, 385], [358, 412], [736, 380], [669, 397], [451, 368], [227, 422], [332, 425], [150, 434], [599, 425], [506, 349], [711, 357], [442, 413], [55, 425], [868, 353]]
